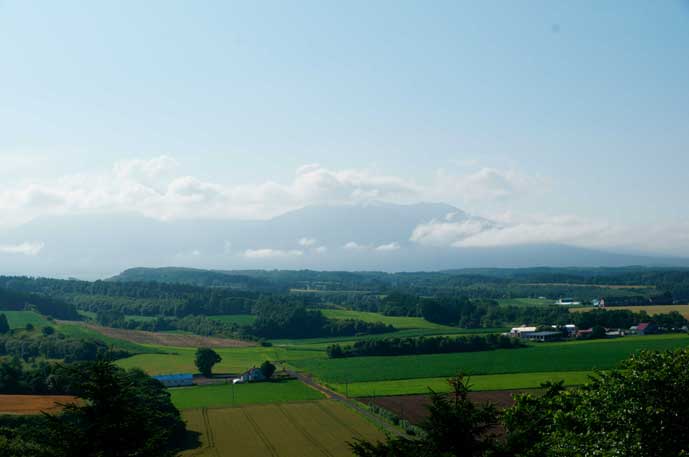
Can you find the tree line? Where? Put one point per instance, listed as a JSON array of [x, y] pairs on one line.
[[423, 345]]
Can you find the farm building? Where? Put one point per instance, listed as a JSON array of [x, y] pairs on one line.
[[519, 331], [645, 328], [542, 336], [567, 302], [176, 380], [253, 375]]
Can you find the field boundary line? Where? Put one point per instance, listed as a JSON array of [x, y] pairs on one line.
[[332, 415], [309, 437], [271, 449]]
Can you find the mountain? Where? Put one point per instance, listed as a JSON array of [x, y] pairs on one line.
[[374, 236]]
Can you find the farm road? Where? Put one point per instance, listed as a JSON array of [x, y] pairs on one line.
[[308, 380]]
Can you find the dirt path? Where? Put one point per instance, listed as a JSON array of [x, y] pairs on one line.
[[165, 339], [308, 380]]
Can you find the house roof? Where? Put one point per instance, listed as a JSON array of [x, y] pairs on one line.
[[643, 326], [544, 333], [174, 377]]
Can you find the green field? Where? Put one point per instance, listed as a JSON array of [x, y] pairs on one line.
[[234, 360], [305, 429], [223, 395], [478, 383], [19, 319], [566, 356], [399, 322], [526, 301], [239, 319], [130, 317]]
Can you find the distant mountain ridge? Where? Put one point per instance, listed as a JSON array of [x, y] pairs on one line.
[[374, 236]]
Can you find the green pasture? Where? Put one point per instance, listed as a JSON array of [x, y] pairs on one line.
[[223, 395], [239, 319], [510, 381], [544, 357], [526, 301], [234, 360], [399, 322], [19, 319]]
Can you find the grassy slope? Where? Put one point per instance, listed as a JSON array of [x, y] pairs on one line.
[[567, 356], [399, 322], [239, 319], [78, 331], [222, 395], [19, 319]]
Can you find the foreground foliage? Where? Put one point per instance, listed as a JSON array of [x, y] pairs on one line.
[[122, 413]]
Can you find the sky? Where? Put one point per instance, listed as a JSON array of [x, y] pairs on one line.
[[562, 120]]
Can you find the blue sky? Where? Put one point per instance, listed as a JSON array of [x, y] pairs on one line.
[[514, 110]]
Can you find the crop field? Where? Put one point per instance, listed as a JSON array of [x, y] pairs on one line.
[[165, 338], [316, 428], [80, 331], [526, 301], [224, 395], [19, 319], [491, 382], [654, 309], [239, 319], [32, 404], [399, 322], [566, 356]]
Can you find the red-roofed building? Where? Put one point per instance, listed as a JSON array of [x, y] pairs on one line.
[[646, 328]]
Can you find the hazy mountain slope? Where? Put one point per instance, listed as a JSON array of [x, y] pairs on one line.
[[365, 237]]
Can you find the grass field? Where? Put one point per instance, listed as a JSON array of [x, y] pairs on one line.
[[399, 322], [224, 395], [526, 301], [19, 319], [566, 356], [316, 428], [239, 319], [657, 309], [478, 383]]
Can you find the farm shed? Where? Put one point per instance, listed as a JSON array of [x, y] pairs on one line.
[[542, 336], [176, 380]]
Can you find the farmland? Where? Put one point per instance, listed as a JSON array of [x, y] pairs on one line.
[[304, 429], [491, 382], [566, 356], [19, 319], [399, 322], [32, 404], [651, 309], [223, 395], [239, 319]]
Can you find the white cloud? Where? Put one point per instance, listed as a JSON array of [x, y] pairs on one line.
[[321, 250], [155, 188], [26, 248], [268, 253], [394, 246], [307, 242], [474, 232], [353, 245]]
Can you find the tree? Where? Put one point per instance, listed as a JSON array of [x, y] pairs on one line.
[[29, 327], [205, 359], [267, 369], [455, 427], [4, 325], [122, 413], [48, 330], [641, 410]]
